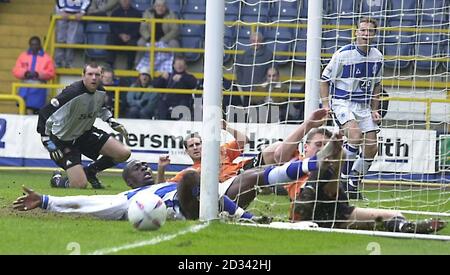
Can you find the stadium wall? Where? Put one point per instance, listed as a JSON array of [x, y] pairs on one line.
[[400, 150]]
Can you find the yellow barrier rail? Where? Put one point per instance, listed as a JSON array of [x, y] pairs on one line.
[[15, 98], [118, 89]]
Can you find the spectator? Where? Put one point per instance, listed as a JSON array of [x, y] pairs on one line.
[[178, 79], [142, 104], [124, 33], [163, 60], [34, 66], [277, 109], [102, 7], [251, 67], [69, 31], [167, 33]]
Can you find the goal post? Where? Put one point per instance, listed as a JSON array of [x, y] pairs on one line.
[[212, 111]]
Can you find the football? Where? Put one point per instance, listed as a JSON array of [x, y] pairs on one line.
[[147, 211]]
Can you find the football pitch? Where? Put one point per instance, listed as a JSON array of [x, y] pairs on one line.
[[39, 232]]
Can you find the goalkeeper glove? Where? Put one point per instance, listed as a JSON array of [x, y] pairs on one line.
[[116, 126], [55, 153]]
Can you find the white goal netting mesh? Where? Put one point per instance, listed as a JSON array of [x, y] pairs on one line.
[[264, 68]]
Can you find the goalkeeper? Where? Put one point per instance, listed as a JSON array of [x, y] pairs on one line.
[[67, 132]]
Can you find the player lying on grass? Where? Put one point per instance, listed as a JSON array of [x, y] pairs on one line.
[[138, 176], [181, 199]]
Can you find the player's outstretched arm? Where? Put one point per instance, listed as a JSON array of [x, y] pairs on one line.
[[30, 200], [241, 138], [285, 150]]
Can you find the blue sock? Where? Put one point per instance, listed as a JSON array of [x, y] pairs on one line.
[[231, 207], [290, 171]]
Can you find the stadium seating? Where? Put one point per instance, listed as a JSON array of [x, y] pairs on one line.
[[229, 38], [341, 9], [192, 36], [446, 52], [97, 33], [194, 9], [428, 45], [175, 6], [434, 13], [397, 45], [280, 40], [231, 11], [300, 46], [404, 10], [286, 10], [142, 5]]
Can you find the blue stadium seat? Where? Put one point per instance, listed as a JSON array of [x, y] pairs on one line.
[[229, 39], [231, 9], [141, 5], [341, 10], [377, 9], [192, 36], [261, 9], [434, 13], [279, 41], [397, 45], [300, 46], [96, 33], [333, 40], [404, 10], [428, 45], [284, 10], [243, 37], [446, 53], [194, 9], [175, 6]]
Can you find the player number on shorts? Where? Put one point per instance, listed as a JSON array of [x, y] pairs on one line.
[[365, 85], [2, 132]]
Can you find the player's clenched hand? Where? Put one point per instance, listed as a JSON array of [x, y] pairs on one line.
[[55, 153], [164, 160], [118, 127], [318, 117], [28, 201], [376, 117]]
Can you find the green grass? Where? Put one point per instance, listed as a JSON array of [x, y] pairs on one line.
[[39, 232]]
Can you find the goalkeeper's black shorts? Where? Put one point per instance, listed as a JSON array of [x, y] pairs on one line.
[[88, 144]]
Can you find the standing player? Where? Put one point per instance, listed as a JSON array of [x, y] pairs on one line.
[[67, 131], [353, 79]]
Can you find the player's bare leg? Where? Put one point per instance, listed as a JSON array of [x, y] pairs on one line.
[[112, 152]]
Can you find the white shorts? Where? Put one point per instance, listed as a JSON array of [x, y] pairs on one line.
[[346, 110], [223, 186]]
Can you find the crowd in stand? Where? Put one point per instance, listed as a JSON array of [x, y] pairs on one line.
[[171, 68]]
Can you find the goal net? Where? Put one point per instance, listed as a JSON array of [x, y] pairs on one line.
[[264, 81]]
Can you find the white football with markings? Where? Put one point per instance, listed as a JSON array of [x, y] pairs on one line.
[[147, 211]]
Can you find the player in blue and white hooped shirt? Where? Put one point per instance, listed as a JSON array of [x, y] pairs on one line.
[[137, 176], [353, 81]]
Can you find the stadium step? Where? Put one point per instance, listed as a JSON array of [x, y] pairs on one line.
[[26, 8], [23, 31], [15, 19], [20, 42], [8, 107], [7, 63], [43, 2], [10, 52]]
